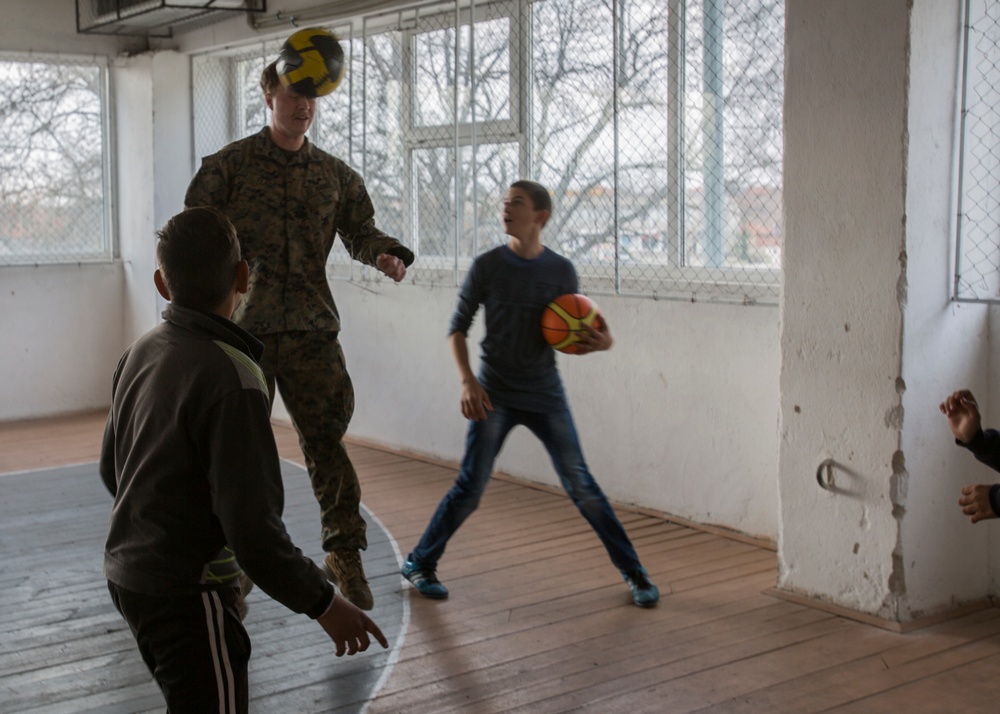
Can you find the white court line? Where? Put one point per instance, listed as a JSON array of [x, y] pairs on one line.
[[397, 646], [53, 468]]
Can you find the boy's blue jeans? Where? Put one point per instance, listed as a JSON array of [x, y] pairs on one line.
[[483, 442]]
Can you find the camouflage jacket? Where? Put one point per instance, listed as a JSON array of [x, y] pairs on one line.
[[288, 208]]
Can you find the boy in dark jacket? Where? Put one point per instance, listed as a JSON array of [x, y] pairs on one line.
[[190, 458], [979, 501]]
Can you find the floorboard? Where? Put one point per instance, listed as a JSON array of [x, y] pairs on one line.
[[538, 622], [63, 647]]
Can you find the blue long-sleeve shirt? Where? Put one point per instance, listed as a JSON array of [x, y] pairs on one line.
[[517, 367]]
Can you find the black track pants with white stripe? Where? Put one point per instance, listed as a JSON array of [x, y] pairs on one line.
[[195, 646]]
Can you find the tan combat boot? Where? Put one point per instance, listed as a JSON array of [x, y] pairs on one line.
[[343, 566]]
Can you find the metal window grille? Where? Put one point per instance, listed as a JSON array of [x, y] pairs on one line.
[[55, 185], [655, 124], [977, 259]]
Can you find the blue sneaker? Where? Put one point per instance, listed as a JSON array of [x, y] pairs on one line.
[[644, 593], [424, 580]]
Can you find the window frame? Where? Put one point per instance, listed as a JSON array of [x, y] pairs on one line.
[[662, 269], [517, 129], [108, 249], [460, 135]]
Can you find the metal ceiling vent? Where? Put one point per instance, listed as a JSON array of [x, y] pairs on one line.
[[155, 18]]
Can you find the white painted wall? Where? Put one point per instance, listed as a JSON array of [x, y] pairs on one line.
[[153, 120], [133, 92], [945, 346], [61, 338], [50, 26], [680, 416], [870, 342], [172, 150], [845, 91]]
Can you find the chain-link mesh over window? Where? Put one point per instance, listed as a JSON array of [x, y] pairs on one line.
[[54, 186], [655, 124], [977, 263]]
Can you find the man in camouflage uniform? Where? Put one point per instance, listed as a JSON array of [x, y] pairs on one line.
[[288, 200]]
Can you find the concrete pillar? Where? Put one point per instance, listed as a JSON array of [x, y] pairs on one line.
[[867, 328]]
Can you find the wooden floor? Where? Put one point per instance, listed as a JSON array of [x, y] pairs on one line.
[[540, 622]]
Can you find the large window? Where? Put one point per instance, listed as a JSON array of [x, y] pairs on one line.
[[656, 124], [54, 164], [977, 263]]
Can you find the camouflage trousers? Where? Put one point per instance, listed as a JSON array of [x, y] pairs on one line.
[[311, 374]]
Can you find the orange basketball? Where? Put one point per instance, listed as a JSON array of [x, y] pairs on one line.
[[563, 320]]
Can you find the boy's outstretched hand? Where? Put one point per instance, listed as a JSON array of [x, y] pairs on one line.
[[963, 415], [392, 266], [595, 339], [349, 627]]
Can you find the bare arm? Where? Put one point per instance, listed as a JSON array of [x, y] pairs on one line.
[[475, 400]]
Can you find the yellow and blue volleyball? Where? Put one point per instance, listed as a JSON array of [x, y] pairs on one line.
[[311, 62]]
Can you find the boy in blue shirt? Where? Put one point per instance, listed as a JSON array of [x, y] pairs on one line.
[[519, 383]]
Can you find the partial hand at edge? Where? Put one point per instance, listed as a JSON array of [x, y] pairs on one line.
[[963, 415], [392, 266], [975, 502]]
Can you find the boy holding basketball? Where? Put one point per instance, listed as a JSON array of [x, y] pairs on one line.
[[519, 383], [190, 458]]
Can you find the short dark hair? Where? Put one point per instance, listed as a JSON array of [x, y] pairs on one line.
[[539, 195], [198, 253], [269, 78]]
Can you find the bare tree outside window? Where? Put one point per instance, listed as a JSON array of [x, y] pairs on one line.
[[655, 123], [601, 115], [53, 203]]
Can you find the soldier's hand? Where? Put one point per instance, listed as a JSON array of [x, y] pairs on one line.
[[391, 265]]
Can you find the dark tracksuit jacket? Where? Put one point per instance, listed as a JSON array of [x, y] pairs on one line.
[[190, 458], [985, 446]]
